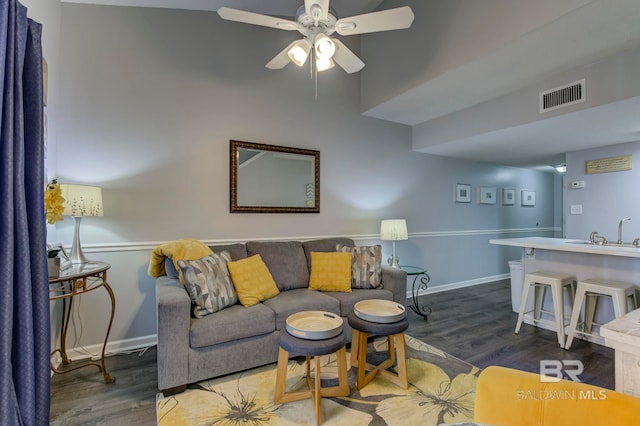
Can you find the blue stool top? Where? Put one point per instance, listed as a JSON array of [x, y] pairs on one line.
[[376, 328], [297, 346]]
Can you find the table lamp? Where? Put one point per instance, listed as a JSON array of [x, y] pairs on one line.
[[79, 201], [393, 230]]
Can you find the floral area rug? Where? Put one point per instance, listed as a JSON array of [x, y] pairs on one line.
[[441, 390]]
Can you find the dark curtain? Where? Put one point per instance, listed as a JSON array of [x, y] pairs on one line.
[[24, 292]]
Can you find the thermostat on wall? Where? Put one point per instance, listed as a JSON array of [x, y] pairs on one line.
[[577, 184]]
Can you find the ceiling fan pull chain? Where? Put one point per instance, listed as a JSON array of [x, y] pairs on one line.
[[316, 83]]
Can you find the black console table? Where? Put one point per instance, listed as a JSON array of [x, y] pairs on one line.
[[420, 282]]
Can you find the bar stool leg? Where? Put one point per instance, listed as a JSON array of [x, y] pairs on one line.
[[558, 306], [362, 360], [540, 294], [590, 311], [619, 303], [317, 396], [402, 361], [634, 302], [281, 375], [355, 344], [523, 304], [575, 317]]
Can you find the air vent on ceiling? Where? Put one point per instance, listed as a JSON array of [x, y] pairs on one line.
[[560, 97]]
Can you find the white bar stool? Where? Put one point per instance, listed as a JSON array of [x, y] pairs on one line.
[[623, 296], [541, 281]]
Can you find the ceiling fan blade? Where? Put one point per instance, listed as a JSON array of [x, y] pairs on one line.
[[324, 5], [346, 58], [384, 20], [281, 59], [256, 19]]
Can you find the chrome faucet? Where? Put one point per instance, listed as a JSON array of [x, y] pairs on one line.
[[600, 240], [620, 229]]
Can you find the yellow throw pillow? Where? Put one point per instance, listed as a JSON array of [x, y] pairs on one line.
[[330, 271], [252, 280]]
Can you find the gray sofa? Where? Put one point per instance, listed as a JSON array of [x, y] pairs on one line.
[[238, 338]]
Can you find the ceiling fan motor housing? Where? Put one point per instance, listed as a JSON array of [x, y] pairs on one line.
[[310, 25]]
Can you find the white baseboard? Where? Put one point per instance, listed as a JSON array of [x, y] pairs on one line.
[[113, 348], [453, 286]]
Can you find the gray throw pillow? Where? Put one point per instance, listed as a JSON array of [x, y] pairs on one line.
[[366, 265], [208, 283]]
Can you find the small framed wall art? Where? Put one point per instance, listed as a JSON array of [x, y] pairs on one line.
[[508, 196], [528, 198], [487, 195], [463, 193]]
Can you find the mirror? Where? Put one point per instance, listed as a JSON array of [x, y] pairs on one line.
[[274, 179]]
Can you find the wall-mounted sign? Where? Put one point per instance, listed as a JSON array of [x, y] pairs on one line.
[[610, 164]]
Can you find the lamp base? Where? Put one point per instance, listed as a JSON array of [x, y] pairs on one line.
[[394, 262], [76, 255]]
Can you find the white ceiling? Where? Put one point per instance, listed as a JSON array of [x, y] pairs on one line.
[[577, 39]]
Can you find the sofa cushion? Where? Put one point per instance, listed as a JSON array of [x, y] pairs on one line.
[[347, 300], [208, 283], [235, 322], [366, 265], [324, 245], [330, 271], [286, 262], [237, 251], [298, 300], [252, 280]]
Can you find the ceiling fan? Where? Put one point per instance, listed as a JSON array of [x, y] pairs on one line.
[[317, 22]]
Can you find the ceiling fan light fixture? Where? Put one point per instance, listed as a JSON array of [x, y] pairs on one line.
[[323, 64], [299, 52], [324, 47]]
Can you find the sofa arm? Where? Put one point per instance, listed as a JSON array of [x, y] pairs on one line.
[[505, 396], [174, 320], [395, 280]]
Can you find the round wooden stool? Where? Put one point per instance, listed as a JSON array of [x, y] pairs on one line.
[[396, 350], [290, 345]]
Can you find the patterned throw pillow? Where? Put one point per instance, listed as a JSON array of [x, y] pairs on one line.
[[252, 280], [330, 271], [208, 283], [366, 265]]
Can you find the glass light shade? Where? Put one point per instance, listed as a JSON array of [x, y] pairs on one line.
[[324, 64], [393, 230], [324, 47], [299, 52], [82, 200]]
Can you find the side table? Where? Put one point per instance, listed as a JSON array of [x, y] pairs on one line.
[[76, 280], [420, 282]]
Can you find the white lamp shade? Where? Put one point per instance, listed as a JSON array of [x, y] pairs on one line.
[[299, 52], [82, 200], [324, 64], [324, 47], [394, 230]]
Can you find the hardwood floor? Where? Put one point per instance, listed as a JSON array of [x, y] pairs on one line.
[[474, 324]]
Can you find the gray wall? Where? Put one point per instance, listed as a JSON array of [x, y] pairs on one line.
[[150, 100], [606, 197]]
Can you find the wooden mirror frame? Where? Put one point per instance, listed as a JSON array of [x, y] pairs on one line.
[[235, 208]]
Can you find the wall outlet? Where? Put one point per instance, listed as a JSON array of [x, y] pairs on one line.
[[576, 208], [577, 184]]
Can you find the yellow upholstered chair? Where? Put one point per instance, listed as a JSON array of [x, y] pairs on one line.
[[505, 396]]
